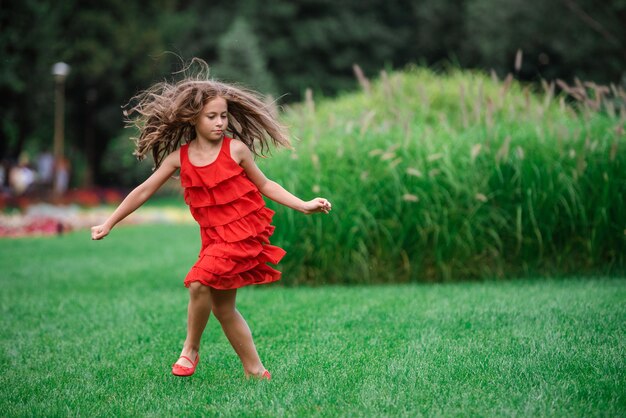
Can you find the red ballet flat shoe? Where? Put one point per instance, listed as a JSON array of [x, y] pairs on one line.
[[178, 370], [263, 376]]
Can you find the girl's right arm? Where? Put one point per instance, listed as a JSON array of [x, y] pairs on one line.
[[139, 195]]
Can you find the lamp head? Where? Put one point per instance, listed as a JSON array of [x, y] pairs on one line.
[[60, 70]]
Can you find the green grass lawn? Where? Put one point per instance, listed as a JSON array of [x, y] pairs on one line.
[[92, 328]]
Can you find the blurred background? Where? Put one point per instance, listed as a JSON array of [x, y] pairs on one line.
[[115, 48], [456, 139]]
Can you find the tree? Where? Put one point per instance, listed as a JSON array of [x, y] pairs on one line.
[[239, 59], [28, 41], [557, 38], [114, 48], [118, 47]]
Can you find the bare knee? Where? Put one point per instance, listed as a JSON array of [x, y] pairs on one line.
[[224, 313], [197, 289]]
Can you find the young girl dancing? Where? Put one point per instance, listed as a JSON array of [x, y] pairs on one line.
[[210, 131]]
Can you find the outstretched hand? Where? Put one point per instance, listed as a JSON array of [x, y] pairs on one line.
[[318, 204], [99, 232]]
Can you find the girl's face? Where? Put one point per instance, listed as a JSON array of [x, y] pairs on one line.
[[213, 120]]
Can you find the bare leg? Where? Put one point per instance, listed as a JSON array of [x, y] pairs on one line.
[[236, 330], [197, 316]]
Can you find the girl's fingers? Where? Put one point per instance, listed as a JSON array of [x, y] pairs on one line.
[[324, 205], [97, 233], [323, 202], [319, 204]]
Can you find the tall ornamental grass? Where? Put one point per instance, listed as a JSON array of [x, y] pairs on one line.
[[434, 177]]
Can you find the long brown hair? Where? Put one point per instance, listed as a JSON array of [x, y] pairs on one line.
[[164, 114]]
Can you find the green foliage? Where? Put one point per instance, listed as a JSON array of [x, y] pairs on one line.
[[120, 166], [107, 320], [112, 47], [28, 115], [116, 48], [240, 59], [435, 177], [552, 47]]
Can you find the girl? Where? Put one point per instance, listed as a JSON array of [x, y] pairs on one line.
[[210, 131]]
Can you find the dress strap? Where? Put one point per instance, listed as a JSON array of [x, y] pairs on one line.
[[184, 157], [226, 145]]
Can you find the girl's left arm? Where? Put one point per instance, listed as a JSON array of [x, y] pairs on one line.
[[243, 156]]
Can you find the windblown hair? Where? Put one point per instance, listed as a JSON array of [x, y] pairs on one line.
[[165, 113]]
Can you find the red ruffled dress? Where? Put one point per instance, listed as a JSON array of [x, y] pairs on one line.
[[234, 224]]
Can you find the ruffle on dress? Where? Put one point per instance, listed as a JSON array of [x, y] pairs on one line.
[[254, 225], [209, 216], [235, 224]]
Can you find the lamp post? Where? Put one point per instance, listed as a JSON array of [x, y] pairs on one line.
[[60, 70]]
